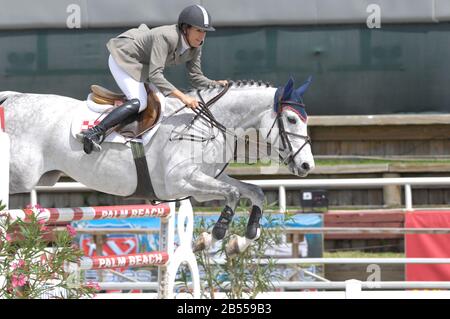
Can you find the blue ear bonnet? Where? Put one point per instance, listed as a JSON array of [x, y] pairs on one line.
[[287, 93]]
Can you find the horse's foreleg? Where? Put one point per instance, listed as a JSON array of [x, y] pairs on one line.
[[256, 196], [239, 244], [201, 185]]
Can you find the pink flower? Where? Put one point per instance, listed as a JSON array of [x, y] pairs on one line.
[[72, 232], [41, 221], [44, 229], [19, 264], [18, 280], [92, 284], [8, 237], [36, 207]]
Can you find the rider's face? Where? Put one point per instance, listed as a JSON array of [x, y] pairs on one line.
[[195, 36]]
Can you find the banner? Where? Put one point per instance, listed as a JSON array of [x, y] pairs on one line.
[[427, 245]]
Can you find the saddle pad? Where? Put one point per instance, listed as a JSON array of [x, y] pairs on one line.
[[90, 115]]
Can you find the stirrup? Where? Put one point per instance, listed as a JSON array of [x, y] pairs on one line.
[[88, 139]]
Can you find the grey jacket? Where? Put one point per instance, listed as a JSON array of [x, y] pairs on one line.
[[143, 53]]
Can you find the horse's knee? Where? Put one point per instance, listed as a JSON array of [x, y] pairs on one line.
[[259, 195], [233, 196]]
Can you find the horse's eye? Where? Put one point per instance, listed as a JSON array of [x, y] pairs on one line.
[[292, 120]]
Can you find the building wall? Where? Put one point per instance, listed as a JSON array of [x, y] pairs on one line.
[[400, 68], [104, 13]]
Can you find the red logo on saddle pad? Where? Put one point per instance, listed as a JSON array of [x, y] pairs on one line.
[[88, 124]]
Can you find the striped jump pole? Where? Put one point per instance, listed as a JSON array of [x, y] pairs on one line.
[[168, 259], [66, 215], [155, 258], [4, 160]]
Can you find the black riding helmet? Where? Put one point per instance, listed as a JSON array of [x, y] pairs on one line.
[[196, 16]]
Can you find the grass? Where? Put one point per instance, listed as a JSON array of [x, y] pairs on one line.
[[356, 161]]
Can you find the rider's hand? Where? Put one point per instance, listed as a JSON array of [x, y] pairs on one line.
[[222, 82], [190, 102]]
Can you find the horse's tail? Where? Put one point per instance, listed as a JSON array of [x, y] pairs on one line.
[[4, 95]]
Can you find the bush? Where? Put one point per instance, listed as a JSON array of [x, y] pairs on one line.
[[32, 267]]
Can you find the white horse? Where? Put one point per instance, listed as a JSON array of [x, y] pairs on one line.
[[42, 148]]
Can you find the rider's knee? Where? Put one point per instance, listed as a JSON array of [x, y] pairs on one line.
[[136, 105], [142, 104]]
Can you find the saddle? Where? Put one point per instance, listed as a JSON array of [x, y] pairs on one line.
[[142, 122]]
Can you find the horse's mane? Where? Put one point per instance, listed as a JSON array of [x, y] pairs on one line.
[[234, 84]]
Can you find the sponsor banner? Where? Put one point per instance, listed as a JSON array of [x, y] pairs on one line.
[[427, 245]]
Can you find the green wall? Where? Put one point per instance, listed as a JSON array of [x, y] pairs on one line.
[[356, 70]]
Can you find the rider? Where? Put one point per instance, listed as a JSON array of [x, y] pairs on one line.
[[139, 55]]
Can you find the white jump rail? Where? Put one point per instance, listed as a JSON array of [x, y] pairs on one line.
[[299, 261], [375, 285], [283, 184], [407, 182]]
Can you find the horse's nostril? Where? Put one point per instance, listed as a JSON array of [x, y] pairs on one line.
[[305, 166]]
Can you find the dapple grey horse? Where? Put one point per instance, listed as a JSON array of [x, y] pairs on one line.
[[42, 148]]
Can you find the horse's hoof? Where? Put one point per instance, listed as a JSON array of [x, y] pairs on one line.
[[203, 242], [237, 245]]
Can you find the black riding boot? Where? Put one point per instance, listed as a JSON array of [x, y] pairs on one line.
[[93, 137]]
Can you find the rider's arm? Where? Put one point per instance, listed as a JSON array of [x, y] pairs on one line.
[[189, 101], [196, 77]]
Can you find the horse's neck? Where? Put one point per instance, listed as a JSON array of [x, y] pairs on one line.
[[242, 108]]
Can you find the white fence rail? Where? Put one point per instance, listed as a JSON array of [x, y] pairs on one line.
[[283, 184]]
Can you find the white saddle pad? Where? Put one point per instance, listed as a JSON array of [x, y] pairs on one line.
[[93, 113]]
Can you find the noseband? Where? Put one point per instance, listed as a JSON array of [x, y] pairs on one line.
[[284, 135]]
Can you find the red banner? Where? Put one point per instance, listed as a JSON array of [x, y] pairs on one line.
[[427, 245]]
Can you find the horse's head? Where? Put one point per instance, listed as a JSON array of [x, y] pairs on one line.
[[291, 117]]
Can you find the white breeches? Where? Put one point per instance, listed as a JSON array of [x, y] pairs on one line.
[[129, 86]]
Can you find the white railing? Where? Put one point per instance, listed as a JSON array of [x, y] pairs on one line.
[[407, 182], [283, 184], [341, 285]]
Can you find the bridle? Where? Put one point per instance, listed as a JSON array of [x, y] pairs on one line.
[[204, 112], [284, 135]]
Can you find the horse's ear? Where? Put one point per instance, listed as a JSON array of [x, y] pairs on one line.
[[288, 88], [283, 93], [301, 90]]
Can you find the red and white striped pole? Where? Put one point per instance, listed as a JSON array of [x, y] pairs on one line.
[[4, 160], [155, 258], [66, 215]]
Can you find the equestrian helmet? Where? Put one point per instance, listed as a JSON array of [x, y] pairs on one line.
[[196, 16]]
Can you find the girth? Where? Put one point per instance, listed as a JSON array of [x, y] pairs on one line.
[[144, 187]]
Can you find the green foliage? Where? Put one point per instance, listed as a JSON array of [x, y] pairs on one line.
[[241, 276], [32, 268]]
